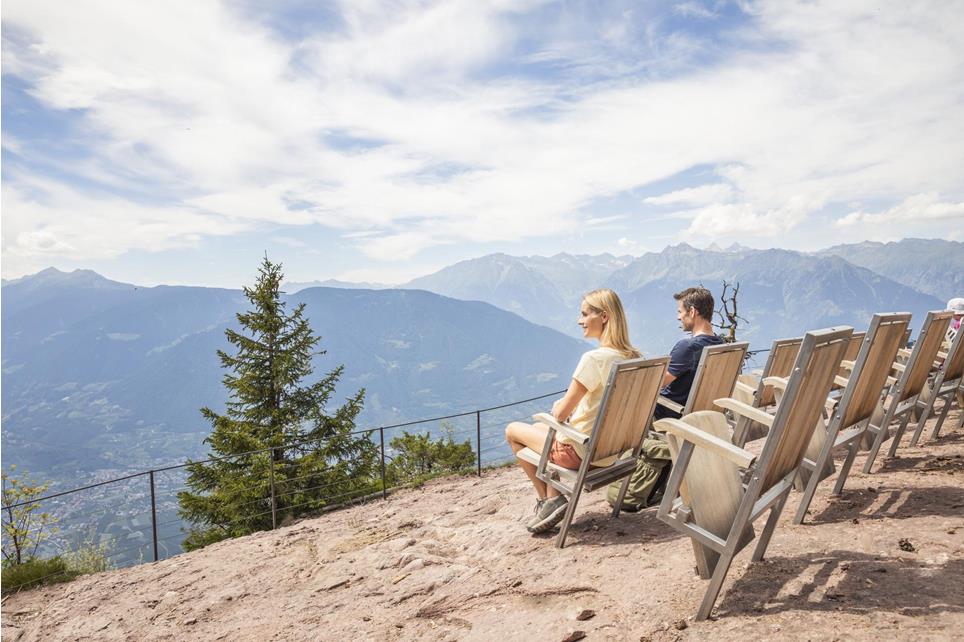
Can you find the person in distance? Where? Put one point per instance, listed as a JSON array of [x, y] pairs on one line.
[[602, 318]]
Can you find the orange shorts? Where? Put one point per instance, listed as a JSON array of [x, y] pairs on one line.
[[564, 455]]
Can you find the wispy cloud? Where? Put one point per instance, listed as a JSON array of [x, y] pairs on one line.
[[478, 125], [927, 207], [702, 195]]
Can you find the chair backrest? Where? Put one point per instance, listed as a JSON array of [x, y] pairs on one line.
[[954, 363], [783, 352], [921, 359], [813, 371], [853, 346], [626, 409], [715, 375], [873, 364]]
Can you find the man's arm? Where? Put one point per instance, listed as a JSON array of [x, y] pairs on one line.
[[677, 363]]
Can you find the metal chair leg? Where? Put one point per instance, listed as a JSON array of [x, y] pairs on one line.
[[772, 519], [948, 400], [898, 435], [845, 468]]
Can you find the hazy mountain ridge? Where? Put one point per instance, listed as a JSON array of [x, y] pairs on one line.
[[544, 290], [111, 378], [290, 287], [782, 293], [933, 266]]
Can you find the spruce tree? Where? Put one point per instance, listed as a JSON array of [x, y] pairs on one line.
[[314, 459]]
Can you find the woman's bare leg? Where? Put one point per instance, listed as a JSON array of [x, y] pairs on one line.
[[521, 435]]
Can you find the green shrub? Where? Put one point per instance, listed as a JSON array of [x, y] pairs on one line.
[[34, 572], [89, 558], [418, 457]]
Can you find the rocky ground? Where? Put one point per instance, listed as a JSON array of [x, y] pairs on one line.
[[451, 560]]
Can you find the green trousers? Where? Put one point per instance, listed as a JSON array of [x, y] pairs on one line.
[[654, 457]]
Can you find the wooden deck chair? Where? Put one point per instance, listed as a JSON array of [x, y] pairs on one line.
[[625, 413], [945, 385], [706, 498], [783, 353], [850, 417], [715, 377], [853, 348], [906, 387]]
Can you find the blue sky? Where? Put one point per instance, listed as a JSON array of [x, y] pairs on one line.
[[178, 142]]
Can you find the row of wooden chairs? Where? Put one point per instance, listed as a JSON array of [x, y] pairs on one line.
[[831, 389]]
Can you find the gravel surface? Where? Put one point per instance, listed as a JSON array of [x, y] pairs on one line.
[[451, 560]]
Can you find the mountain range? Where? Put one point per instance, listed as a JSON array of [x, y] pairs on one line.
[[782, 292], [101, 377], [931, 266]]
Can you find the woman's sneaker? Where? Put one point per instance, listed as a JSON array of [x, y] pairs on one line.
[[550, 514], [535, 513]]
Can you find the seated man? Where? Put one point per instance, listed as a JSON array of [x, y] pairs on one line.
[[694, 309]]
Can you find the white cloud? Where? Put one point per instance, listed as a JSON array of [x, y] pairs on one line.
[[743, 219], [694, 9], [702, 195], [54, 222], [234, 126], [920, 207]]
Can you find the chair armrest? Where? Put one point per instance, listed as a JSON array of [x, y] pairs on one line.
[[840, 381], [684, 431], [669, 403], [745, 388], [776, 382], [830, 404], [746, 410], [565, 429]]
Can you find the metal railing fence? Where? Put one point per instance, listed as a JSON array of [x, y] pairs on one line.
[[136, 516]]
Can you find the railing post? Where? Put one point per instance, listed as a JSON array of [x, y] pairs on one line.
[[381, 437], [478, 439], [153, 515], [274, 504]]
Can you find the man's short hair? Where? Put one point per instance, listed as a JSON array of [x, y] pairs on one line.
[[699, 298]]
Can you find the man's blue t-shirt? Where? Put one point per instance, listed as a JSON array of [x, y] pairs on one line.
[[683, 360]]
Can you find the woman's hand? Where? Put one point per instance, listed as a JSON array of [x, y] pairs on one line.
[[563, 408], [556, 407]]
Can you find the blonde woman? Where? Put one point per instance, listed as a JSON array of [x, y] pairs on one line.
[[602, 318]]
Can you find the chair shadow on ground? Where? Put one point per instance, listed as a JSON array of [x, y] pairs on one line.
[[846, 581], [926, 463], [947, 436], [595, 527], [892, 503]]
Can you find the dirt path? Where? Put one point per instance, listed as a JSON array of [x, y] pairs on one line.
[[452, 561]]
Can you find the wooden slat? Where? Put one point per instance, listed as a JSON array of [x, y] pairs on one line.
[[873, 375], [782, 355], [720, 368], [924, 352], [864, 386], [955, 367], [800, 419], [631, 399]]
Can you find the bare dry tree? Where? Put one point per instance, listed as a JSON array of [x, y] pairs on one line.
[[728, 316]]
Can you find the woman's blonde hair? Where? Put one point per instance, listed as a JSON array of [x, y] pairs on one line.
[[615, 332]]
